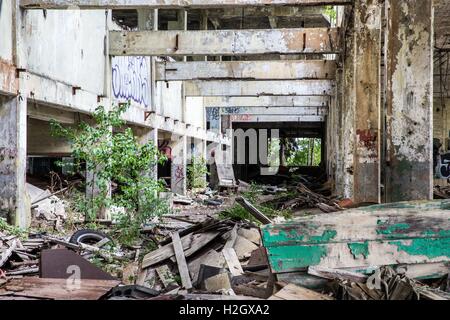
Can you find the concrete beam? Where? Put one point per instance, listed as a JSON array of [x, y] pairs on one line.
[[267, 101], [223, 42], [367, 175], [8, 81], [409, 62], [275, 118], [259, 88], [167, 4], [246, 70], [297, 111]]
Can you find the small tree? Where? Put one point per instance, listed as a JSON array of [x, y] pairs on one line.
[[196, 173], [114, 154]]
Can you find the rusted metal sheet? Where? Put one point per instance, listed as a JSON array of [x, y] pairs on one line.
[[223, 42], [8, 81], [164, 4], [246, 70], [63, 264], [401, 233], [409, 94], [259, 88], [367, 98]]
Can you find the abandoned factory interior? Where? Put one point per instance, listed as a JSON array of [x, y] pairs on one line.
[[224, 150]]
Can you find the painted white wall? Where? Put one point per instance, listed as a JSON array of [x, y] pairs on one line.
[[195, 111], [6, 30], [68, 46], [170, 99]]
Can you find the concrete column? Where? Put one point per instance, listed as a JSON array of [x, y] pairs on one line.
[[367, 37], [15, 204], [348, 113], [409, 67], [151, 136], [148, 20], [178, 169]]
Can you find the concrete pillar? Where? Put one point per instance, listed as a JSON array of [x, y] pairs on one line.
[[148, 20], [367, 42], [147, 137], [409, 67], [15, 204], [348, 113], [178, 169]]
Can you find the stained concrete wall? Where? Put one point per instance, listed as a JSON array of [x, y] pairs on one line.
[[67, 46], [6, 40]]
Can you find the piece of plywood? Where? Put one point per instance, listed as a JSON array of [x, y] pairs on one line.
[[293, 292], [251, 234], [211, 258], [244, 247], [59, 289], [402, 233]]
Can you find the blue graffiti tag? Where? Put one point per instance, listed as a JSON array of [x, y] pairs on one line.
[[130, 79]]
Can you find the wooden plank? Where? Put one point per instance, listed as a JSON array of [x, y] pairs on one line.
[[181, 261], [293, 292], [233, 236], [58, 289], [252, 209], [223, 42], [332, 274], [190, 243], [246, 70], [404, 233], [170, 4], [253, 88], [232, 261], [359, 225]]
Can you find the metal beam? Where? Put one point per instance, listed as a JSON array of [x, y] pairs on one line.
[[267, 101], [288, 111], [259, 88], [276, 118], [248, 70], [166, 4], [223, 42]]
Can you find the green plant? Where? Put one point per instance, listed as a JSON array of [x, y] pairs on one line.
[[111, 152], [10, 229], [330, 11], [196, 173]]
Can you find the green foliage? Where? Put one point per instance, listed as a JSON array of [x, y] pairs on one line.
[[299, 152], [330, 11], [253, 195], [11, 230], [114, 154], [196, 173]]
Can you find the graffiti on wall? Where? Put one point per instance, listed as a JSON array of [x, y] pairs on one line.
[[131, 79], [213, 117]]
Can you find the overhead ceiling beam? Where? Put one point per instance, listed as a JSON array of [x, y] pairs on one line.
[[249, 70], [276, 118], [297, 111], [167, 4], [269, 101], [223, 42], [259, 88]]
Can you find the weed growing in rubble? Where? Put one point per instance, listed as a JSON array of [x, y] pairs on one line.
[[196, 173], [10, 229], [253, 195], [109, 152]]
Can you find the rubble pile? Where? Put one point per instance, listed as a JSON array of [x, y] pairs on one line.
[[196, 254]]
